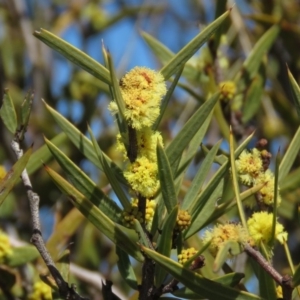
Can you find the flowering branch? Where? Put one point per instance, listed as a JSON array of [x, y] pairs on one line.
[[65, 291]]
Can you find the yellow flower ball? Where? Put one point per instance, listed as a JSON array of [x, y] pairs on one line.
[[142, 176], [142, 90], [186, 254], [222, 233], [260, 228]]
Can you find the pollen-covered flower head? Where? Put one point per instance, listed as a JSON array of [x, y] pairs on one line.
[[142, 90], [267, 191], [249, 165], [222, 233], [260, 228], [142, 176]]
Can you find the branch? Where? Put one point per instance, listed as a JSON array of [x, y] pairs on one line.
[[284, 281], [65, 291]]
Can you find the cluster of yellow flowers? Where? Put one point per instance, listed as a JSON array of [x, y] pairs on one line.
[[40, 291], [5, 247], [260, 228], [252, 168], [133, 213], [222, 233], [183, 220], [186, 254], [142, 90], [251, 172]]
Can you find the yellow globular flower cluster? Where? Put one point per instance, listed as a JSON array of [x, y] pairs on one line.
[[183, 220], [142, 90], [186, 254], [41, 291], [2, 172], [228, 89], [5, 247], [249, 166], [222, 233], [133, 213], [251, 172], [142, 176], [260, 228], [267, 191]]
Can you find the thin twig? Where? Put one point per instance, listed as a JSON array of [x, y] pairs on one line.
[[65, 291], [284, 281]]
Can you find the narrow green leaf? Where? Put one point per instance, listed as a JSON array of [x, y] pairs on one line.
[[193, 147], [200, 285], [191, 127], [220, 9], [199, 178], [8, 113], [276, 194], [63, 231], [73, 54], [296, 276], [289, 156], [12, 176], [206, 203], [295, 91], [85, 185], [231, 279], [121, 236], [143, 238], [253, 97], [42, 155], [117, 96], [291, 182], [229, 247], [63, 264], [166, 179], [236, 183], [166, 99], [191, 48], [164, 54], [164, 244], [109, 174], [25, 113], [21, 256], [262, 46], [83, 144], [126, 269], [227, 206]]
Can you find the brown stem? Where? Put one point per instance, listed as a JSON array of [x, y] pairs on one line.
[[284, 281]]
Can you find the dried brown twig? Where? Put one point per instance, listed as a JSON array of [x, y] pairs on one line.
[[65, 291]]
